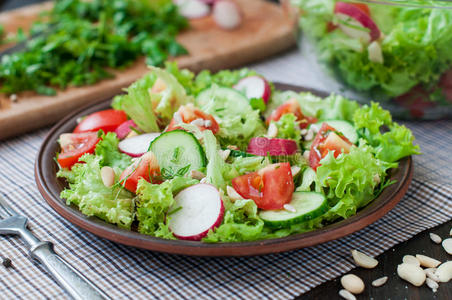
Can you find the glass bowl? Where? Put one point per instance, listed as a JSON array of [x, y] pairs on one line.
[[398, 53]]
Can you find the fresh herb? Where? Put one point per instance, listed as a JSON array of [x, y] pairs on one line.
[[174, 211], [169, 173], [78, 43]]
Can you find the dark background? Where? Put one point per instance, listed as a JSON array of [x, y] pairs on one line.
[[395, 288]]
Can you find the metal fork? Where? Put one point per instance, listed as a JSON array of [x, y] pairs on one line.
[[75, 283]]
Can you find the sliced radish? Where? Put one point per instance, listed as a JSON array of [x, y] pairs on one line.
[[124, 129], [227, 14], [137, 145], [254, 87], [193, 9], [197, 209], [263, 146], [355, 23]]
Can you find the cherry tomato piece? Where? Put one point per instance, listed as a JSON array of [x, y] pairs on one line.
[[74, 145], [189, 114], [145, 167], [291, 106], [107, 120], [270, 187]]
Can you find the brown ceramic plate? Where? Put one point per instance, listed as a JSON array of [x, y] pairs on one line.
[[50, 188]]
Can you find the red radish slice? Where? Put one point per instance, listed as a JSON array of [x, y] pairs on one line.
[[227, 14], [254, 87], [124, 129], [360, 25], [192, 9], [263, 146], [209, 2], [137, 145], [201, 209]]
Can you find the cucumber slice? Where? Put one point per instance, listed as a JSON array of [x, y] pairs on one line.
[[177, 149], [308, 205], [346, 128]]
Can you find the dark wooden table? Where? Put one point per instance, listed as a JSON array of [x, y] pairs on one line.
[[395, 288]]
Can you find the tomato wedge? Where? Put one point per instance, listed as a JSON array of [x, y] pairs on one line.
[[145, 167], [74, 145], [107, 120], [291, 107], [189, 114], [327, 139], [270, 187]]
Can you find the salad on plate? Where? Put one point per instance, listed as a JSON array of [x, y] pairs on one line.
[[226, 157]]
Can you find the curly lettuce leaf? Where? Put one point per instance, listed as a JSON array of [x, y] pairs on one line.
[[390, 146], [240, 223], [288, 128], [153, 203], [150, 109], [351, 180], [332, 107], [107, 148], [87, 191]]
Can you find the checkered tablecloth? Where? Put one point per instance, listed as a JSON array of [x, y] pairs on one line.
[[128, 273]]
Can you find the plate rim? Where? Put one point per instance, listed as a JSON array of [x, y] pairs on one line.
[[368, 215]]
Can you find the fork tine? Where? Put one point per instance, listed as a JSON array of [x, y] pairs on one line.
[[8, 209]]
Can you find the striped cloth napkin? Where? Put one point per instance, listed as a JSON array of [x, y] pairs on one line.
[[124, 272]]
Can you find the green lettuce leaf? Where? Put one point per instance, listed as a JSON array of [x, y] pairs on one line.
[[107, 148], [351, 180], [154, 200], [240, 223], [87, 191], [152, 110], [390, 146], [332, 107], [288, 128]]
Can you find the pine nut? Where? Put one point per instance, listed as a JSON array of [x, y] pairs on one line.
[[411, 273], [380, 281], [435, 238], [272, 130], [232, 194], [197, 175], [295, 170], [364, 260], [410, 259], [432, 284], [444, 271], [352, 283], [431, 273], [347, 295], [447, 245], [427, 262], [108, 176]]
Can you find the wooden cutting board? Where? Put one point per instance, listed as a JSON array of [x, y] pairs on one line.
[[266, 29]]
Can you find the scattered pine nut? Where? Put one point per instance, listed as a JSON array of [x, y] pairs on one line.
[[380, 281], [272, 131], [364, 260], [411, 273], [427, 262], [432, 284], [444, 271], [410, 259], [346, 295], [197, 174], [431, 273], [306, 154], [435, 238], [352, 283], [295, 170], [108, 176], [447, 245], [13, 98], [289, 208], [224, 154], [232, 194]]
